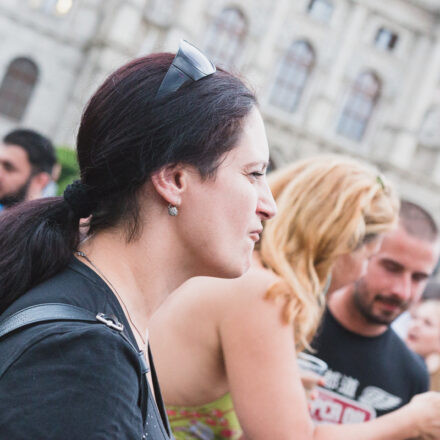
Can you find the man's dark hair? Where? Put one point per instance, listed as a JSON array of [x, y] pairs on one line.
[[39, 148], [417, 221]]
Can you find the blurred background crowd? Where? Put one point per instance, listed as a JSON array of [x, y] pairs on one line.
[[352, 76], [356, 77]]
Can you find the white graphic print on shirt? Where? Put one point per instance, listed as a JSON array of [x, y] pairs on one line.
[[336, 402]]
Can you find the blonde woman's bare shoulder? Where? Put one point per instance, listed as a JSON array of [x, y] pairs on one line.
[[247, 305], [211, 298], [245, 291], [257, 279]]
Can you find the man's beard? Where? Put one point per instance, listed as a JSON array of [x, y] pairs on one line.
[[18, 196], [366, 308]]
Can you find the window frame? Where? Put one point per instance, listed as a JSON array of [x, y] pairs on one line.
[[313, 10], [222, 46], [352, 113], [283, 81], [17, 87]]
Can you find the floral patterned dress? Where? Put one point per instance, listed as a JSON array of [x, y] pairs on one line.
[[213, 421]]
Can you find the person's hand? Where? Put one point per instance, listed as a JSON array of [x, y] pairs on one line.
[[425, 411], [310, 381]]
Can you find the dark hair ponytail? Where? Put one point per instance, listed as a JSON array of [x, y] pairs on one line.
[[125, 134], [36, 242]]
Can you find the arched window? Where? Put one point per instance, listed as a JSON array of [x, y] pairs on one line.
[[17, 87], [386, 39], [292, 76], [359, 106], [321, 10], [226, 37]]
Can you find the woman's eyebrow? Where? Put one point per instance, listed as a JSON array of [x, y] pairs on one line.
[[262, 163]]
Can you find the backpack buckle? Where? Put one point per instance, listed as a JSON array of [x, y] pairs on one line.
[[110, 321]]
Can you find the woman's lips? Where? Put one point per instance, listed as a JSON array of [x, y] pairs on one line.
[[255, 235]]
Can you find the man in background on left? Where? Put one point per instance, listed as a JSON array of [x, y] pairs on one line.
[[27, 163]]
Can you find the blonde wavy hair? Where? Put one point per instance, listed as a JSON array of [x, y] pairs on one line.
[[327, 206]]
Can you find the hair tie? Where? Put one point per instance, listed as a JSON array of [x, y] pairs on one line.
[[78, 196], [380, 182]]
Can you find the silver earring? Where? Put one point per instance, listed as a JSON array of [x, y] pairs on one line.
[[172, 210]]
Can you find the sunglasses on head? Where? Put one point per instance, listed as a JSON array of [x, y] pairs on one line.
[[189, 64]]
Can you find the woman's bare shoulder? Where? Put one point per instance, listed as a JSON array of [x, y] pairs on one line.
[[211, 296], [254, 283], [257, 280]]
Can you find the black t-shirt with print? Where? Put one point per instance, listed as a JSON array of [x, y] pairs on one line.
[[72, 380], [367, 376]]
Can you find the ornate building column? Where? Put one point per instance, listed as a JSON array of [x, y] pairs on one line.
[[349, 40], [324, 110], [265, 60], [421, 80]]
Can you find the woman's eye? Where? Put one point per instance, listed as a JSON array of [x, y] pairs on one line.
[[257, 174]]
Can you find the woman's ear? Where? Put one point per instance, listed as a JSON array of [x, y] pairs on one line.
[[170, 182]]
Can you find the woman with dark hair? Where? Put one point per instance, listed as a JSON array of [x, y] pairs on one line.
[[172, 157]]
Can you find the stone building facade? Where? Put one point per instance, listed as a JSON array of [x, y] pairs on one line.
[[359, 77]]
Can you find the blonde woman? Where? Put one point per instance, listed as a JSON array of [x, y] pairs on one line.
[[232, 372]]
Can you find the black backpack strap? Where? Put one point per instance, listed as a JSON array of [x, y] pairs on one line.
[[159, 400], [44, 313], [49, 312]]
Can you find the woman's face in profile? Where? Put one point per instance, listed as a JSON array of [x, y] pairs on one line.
[[351, 267], [424, 330], [221, 217]]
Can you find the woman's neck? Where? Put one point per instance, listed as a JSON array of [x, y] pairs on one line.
[[141, 273]]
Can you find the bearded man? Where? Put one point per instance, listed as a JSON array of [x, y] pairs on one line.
[[371, 371], [27, 160]]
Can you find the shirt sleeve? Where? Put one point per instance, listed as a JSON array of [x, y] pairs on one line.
[[80, 384], [419, 375], [424, 382]]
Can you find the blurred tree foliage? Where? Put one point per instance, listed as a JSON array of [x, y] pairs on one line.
[[69, 167]]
